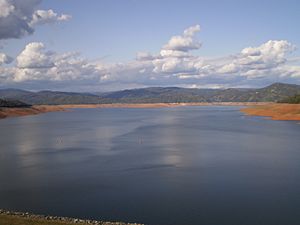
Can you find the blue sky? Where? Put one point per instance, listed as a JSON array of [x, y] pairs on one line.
[[111, 32]]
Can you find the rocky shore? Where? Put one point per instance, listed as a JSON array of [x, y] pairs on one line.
[[21, 218]]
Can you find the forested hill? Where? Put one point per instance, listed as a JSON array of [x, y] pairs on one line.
[[292, 100], [273, 93], [13, 104]]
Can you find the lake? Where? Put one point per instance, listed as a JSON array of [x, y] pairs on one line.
[[208, 165]]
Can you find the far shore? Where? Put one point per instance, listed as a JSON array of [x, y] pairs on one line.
[[275, 111], [38, 109]]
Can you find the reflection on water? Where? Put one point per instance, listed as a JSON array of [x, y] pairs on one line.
[[185, 165]]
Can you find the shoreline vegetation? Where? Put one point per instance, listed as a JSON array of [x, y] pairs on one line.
[[276, 111], [6, 112], [20, 218]]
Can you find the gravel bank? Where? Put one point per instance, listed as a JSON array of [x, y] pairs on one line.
[[16, 218]]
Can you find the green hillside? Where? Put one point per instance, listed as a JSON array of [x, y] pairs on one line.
[[273, 93], [292, 100]]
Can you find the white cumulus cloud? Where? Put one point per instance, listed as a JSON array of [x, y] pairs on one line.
[[19, 17], [5, 59], [173, 65], [47, 16], [36, 63], [6, 8], [185, 42], [256, 60], [35, 56]]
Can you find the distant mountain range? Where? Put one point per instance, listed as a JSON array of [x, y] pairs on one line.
[[49, 97], [273, 93]]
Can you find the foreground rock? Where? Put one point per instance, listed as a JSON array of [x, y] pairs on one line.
[[19, 218]]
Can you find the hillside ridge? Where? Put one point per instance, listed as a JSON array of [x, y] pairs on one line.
[[275, 92]]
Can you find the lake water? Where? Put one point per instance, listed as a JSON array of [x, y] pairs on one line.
[[167, 166]]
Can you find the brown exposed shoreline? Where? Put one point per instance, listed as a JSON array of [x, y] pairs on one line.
[[13, 112], [37, 109], [275, 111]]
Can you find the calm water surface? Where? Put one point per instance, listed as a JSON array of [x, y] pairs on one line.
[[185, 165]]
